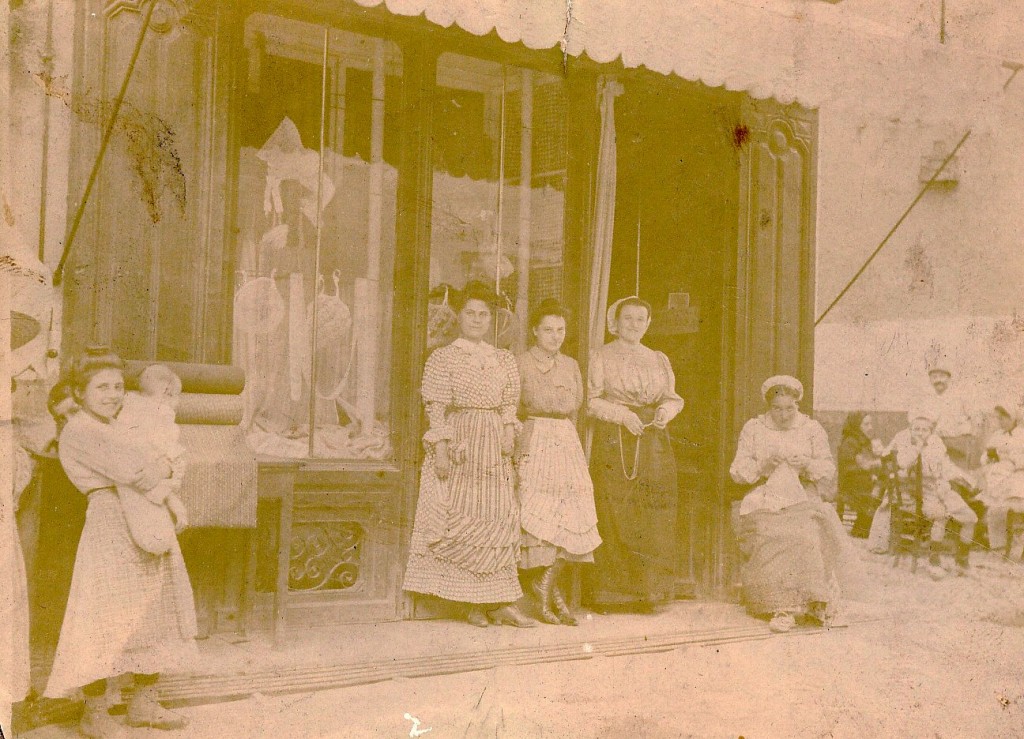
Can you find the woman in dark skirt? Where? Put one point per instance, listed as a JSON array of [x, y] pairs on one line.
[[632, 398], [858, 463]]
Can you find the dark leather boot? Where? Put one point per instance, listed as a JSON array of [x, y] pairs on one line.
[[558, 598], [543, 588]]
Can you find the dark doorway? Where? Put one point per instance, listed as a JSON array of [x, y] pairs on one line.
[[677, 178]]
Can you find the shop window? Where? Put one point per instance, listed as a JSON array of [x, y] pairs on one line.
[[500, 147], [316, 239]]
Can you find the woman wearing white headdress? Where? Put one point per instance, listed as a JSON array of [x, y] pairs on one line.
[[792, 543], [632, 397]]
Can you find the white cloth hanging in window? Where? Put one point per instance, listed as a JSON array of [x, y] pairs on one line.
[[259, 307], [333, 339], [258, 310], [288, 159], [298, 337]]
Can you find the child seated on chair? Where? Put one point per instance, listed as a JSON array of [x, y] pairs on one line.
[[1003, 473], [150, 415], [940, 502]]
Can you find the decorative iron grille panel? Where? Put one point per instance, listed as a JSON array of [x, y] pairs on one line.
[[326, 555]]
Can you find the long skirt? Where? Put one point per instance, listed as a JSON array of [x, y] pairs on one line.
[[128, 610], [557, 496], [14, 633], [791, 558], [636, 518], [465, 539]]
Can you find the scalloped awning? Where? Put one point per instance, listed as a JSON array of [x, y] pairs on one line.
[[802, 51]]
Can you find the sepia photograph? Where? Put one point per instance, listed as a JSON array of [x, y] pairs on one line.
[[511, 369]]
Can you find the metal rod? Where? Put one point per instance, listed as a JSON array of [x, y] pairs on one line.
[[44, 157], [1010, 79], [58, 273], [523, 255], [501, 202], [319, 240], [639, 211], [892, 230]]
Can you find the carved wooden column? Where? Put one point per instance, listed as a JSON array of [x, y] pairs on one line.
[[775, 255]]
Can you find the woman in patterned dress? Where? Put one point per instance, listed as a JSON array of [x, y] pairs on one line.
[[465, 539], [632, 397], [128, 611], [557, 497]]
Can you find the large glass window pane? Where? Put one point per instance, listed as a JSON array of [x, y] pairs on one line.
[[499, 190], [316, 240]]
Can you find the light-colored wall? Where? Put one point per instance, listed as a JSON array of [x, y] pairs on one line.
[[950, 278], [983, 25]]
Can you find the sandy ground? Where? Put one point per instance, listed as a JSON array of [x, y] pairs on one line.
[[919, 659]]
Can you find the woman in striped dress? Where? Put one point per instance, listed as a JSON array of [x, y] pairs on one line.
[[465, 539], [128, 611], [556, 494]]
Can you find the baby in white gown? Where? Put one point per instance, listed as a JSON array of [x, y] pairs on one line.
[[149, 416]]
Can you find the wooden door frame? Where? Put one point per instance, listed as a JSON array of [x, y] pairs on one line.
[[780, 126]]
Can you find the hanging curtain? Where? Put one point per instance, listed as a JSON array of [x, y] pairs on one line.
[[604, 211]]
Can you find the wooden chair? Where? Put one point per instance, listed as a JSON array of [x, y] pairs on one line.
[[908, 528]]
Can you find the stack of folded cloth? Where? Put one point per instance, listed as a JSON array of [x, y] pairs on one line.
[[219, 488]]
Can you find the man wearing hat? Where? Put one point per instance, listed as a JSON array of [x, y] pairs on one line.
[[953, 424]]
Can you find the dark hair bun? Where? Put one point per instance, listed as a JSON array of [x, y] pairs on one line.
[[547, 307], [94, 359], [474, 290]]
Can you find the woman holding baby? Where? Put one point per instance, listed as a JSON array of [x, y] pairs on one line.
[[130, 611]]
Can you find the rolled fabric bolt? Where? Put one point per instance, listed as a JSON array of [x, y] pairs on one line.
[[215, 379], [214, 410]]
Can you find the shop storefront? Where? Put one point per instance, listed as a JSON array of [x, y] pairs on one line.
[[300, 186]]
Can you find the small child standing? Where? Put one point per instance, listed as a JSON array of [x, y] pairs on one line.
[[149, 417]]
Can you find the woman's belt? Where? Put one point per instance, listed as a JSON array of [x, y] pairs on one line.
[[645, 413], [111, 488], [494, 409], [557, 416]]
